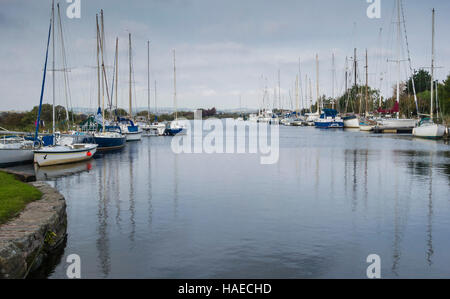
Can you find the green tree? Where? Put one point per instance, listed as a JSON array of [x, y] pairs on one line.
[[422, 82]]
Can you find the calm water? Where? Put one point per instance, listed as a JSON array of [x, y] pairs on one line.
[[334, 198]]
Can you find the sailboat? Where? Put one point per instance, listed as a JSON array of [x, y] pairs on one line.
[[367, 124], [110, 137], [132, 132], [176, 127], [15, 150], [329, 118], [54, 153], [397, 124], [351, 121], [427, 128], [155, 128]]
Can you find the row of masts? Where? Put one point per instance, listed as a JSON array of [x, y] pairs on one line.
[[102, 83], [308, 82], [397, 61]]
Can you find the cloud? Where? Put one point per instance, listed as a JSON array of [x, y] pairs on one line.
[[224, 48]]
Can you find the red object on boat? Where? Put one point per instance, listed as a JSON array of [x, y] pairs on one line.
[[390, 111], [89, 154]]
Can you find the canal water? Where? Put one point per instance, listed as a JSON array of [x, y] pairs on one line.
[[333, 198]]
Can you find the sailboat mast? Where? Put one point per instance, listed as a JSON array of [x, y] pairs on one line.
[[333, 75], [129, 56], [367, 85], [355, 67], [175, 85], [310, 96], [117, 69], [305, 103], [346, 83], [53, 68], [432, 65], [148, 79], [398, 52], [317, 85], [156, 103], [279, 88], [300, 85], [296, 96], [98, 62], [102, 39]]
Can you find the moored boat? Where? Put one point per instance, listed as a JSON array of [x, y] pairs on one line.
[[52, 152], [157, 129], [131, 131], [351, 122], [176, 127], [427, 128], [15, 151], [329, 119], [109, 140], [64, 154]]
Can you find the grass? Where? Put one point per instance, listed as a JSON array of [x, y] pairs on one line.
[[14, 196]]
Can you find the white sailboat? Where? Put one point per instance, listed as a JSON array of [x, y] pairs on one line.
[[427, 127], [366, 124], [155, 128], [15, 150], [55, 154], [311, 117], [129, 129], [351, 121], [397, 123], [176, 126], [109, 138]]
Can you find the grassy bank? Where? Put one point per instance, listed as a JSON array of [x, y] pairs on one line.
[[14, 196]]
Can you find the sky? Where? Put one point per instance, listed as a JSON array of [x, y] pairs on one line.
[[227, 52]]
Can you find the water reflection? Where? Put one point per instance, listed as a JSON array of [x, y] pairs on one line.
[[57, 171], [131, 156], [333, 198], [430, 250], [103, 239]]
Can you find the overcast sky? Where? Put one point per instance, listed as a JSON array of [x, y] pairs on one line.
[[225, 49]]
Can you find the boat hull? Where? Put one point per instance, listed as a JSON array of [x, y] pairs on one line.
[[10, 157], [351, 123], [397, 123], [366, 128], [177, 131], [155, 130], [48, 157], [110, 143], [329, 124], [429, 131], [133, 136]]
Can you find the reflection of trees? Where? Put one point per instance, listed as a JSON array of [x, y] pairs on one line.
[[424, 167]]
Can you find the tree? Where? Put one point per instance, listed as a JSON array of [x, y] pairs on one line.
[[350, 101], [422, 82]]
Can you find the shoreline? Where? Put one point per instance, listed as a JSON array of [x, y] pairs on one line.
[[26, 240]]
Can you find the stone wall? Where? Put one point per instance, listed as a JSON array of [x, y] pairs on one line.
[[36, 232]]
